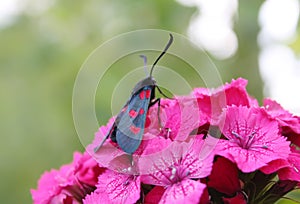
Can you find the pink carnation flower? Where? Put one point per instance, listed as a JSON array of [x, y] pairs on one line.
[[212, 102], [175, 168], [87, 171], [284, 118], [292, 171], [253, 139], [178, 120], [116, 188], [70, 183], [54, 186], [287, 169], [289, 124]]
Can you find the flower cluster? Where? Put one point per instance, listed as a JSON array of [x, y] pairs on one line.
[[212, 146]]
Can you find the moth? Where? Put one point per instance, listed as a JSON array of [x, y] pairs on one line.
[[128, 129]]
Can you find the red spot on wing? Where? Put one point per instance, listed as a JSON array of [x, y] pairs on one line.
[[132, 113], [142, 95], [148, 93], [135, 130], [141, 112]]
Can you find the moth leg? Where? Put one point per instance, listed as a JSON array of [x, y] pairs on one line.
[[132, 168], [158, 110], [131, 160], [154, 102], [158, 113], [158, 116]]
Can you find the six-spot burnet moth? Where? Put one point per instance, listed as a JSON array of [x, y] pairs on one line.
[[128, 128]]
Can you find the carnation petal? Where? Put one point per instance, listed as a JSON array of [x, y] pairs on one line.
[[291, 172], [52, 185], [120, 188], [238, 199], [95, 198], [180, 121], [154, 196], [185, 192], [274, 166], [212, 102], [284, 117], [108, 152], [224, 177], [87, 170]]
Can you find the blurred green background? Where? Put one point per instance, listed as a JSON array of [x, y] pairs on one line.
[[41, 53]]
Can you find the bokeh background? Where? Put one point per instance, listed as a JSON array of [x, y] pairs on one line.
[[43, 44]]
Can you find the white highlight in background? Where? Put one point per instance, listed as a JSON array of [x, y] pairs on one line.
[[279, 19], [211, 28], [10, 9], [279, 66]]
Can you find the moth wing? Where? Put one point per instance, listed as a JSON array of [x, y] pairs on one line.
[[130, 128]]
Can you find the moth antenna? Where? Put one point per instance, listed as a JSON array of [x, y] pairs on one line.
[[145, 62], [162, 54]]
